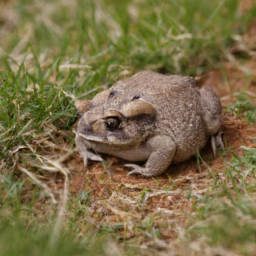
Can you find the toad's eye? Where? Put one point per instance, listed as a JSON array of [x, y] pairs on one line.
[[112, 93], [112, 123], [135, 97]]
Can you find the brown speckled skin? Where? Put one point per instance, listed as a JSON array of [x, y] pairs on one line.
[[165, 120]]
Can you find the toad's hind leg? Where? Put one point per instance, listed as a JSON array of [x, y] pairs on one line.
[[216, 142], [211, 110], [211, 113]]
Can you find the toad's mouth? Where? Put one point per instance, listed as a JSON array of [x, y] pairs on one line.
[[102, 139], [110, 139]]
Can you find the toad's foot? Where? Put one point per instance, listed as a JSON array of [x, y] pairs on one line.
[[216, 142], [138, 170], [89, 155]]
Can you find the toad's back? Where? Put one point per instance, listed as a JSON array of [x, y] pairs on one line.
[[178, 108]]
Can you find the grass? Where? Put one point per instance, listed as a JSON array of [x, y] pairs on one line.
[[243, 107], [53, 51]]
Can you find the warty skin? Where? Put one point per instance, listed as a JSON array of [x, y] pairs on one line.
[[160, 119]]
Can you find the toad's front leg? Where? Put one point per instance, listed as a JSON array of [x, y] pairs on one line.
[[83, 150], [163, 152]]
